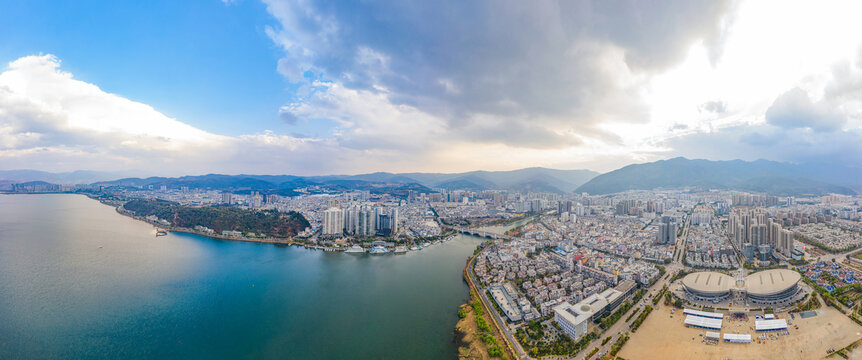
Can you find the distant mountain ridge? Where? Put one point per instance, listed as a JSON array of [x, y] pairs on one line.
[[759, 176], [73, 177], [530, 179], [771, 177], [270, 184], [527, 179]]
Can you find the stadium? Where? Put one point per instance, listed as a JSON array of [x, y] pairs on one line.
[[708, 285], [772, 286], [776, 286]]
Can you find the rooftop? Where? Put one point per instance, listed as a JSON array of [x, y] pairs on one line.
[[770, 282], [708, 282]]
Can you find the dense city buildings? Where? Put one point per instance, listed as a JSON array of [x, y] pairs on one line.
[[752, 231], [575, 260]]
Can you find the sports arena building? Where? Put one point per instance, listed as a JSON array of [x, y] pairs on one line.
[[765, 287], [708, 285], [772, 286]]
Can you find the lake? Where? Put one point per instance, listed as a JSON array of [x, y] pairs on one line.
[[78, 280]]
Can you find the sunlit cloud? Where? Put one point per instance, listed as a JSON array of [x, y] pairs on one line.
[[419, 88]]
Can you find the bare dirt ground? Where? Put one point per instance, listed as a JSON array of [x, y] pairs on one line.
[[466, 335], [663, 337]]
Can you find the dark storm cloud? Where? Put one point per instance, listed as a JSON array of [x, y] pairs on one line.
[[794, 109], [561, 64]]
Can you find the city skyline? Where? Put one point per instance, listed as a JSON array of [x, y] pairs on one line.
[[403, 179], [308, 89]]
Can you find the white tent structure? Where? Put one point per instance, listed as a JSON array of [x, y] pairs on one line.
[[737, 338], [702, 322], [703, 314], [770, 325], [712, 335]]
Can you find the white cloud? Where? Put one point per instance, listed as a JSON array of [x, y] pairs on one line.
[[368, 119], [417, 86], [50, 120], [37, 83], [578, 82], [550, 68]]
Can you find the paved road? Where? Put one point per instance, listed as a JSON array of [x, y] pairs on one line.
[[837, 257], [501, 323], [621, 326]]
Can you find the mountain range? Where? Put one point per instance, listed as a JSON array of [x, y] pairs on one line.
[[771, 177], [531, 179], [73, 177]]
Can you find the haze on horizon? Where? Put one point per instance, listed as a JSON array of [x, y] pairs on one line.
[[312, 88]]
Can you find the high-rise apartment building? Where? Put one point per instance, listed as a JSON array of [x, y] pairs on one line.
[[753, 226], [666, 231], [333, 222]]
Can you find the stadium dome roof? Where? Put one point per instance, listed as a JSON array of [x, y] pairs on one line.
[[771, 282], [708, 283]]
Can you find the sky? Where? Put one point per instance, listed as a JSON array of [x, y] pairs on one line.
[[334, 87]]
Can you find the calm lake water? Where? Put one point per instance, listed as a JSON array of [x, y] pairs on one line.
[[78, 280]]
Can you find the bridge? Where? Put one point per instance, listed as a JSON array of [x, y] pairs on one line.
[[480, 233]]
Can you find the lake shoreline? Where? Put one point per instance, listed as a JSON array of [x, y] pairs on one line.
[[89, 283], [275, 241]]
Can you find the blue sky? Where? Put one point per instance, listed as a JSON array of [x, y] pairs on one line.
[[322, 87], [209, 64]]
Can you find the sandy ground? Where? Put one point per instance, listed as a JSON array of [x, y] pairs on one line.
[[470, 347], [663, 337]]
